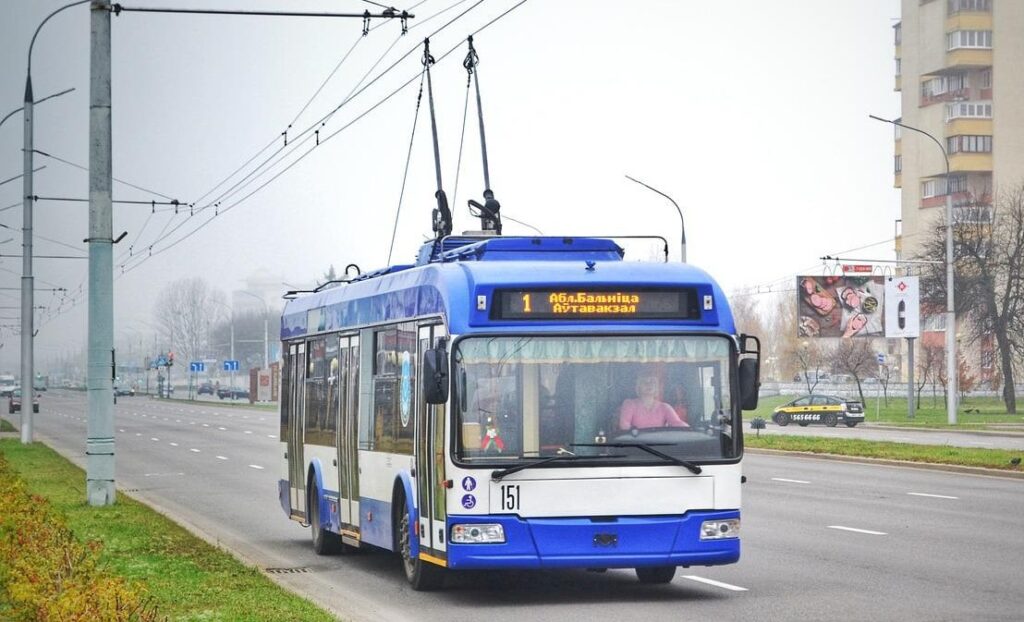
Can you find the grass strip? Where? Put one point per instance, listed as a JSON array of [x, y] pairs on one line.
[[5, 426], [186, 578], [984, 412], [935, 454]]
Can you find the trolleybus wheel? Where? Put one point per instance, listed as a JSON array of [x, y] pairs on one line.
[[802, 424], [782, 419], [324, 542], [829, 420], [422, 576], [656, 574]]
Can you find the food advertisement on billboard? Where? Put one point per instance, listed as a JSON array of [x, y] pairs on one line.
[[840, 306]]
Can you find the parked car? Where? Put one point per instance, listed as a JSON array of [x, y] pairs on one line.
[[206, 388], [14, 403], [226, 393], [825, 409], [124, 389]]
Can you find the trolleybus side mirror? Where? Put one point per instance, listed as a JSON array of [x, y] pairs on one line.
[[435, 375], [749, 372]]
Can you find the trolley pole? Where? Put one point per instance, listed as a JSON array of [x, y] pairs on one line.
[[28, 384], [99, 447], [910, 378]]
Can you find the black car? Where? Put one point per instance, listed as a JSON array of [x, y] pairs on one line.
[[206, 388], [14, 403], [121, 390], [229, 393]]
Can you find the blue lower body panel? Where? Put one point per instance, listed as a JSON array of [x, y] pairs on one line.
[[623, 542]]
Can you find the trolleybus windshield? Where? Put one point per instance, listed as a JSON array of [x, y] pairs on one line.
[[523, 398]]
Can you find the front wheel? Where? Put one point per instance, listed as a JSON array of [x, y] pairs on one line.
[[782, 419], [422, 576], [324, 542], [656, 575]]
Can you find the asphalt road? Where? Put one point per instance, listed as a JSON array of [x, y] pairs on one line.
[[821, 539]]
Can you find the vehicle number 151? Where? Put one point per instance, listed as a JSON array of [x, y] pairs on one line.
[[510, 497]]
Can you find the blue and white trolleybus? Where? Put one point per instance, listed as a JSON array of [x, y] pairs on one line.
[[518, 403]]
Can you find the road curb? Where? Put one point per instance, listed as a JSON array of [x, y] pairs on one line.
[[928, 466], [882, 426]]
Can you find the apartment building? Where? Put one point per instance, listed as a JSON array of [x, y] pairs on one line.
[[960, 74]]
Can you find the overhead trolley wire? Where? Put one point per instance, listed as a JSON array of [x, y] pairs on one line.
[[306, 135], [125, 268], [408, 159]]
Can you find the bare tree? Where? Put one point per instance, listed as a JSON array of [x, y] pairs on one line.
[[857, 358], [988, 244], [780, 337], [810, 355], [184, 308]]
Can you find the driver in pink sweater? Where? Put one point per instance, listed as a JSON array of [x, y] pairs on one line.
[[646, 411]]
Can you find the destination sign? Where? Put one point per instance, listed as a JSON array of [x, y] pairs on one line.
[[575, 304]]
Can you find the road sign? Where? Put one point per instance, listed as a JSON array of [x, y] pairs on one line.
[[902, 307], [230, 365], [881, 358], [196, 366]]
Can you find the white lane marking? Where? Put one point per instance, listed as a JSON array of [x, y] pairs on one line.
[[726, 586], [855, 530], [154, 439], [222, 428], [174, 444], [255, 466], [271, 435], [177, 421], [194, 450], [248, 431], [120, 430], [925, 494], [222, 457], [192, 422], [206, 425], [790, 481], [137, 433]]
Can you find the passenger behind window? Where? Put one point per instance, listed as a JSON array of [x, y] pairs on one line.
[[647, 411]]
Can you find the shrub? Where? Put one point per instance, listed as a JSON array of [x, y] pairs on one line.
[[47, 574]]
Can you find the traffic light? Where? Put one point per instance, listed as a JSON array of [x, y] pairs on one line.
[[170, 359]]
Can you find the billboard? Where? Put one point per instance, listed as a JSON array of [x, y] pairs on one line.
[[903, 313], [840, 306]]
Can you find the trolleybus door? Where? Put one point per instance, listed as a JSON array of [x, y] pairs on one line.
[[348, 467], [296, 425], [430, 458]]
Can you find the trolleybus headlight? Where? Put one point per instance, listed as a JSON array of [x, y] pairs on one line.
[[718, 529], [478, 533]]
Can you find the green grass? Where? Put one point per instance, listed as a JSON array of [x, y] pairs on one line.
[[5, 426], [187, 578], [931, 415], [936, 454]]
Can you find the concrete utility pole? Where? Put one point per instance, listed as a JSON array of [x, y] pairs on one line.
[[28, 386], [99, 446]]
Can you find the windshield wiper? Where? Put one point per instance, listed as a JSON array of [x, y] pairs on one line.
[[649, 448], [500, 473]]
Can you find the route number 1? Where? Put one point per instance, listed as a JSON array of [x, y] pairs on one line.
[[526, 304]]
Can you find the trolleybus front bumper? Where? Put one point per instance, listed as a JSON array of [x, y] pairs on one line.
[[605, 542]]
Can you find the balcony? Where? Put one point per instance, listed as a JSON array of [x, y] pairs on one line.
[[968, 126], [970, 162], [969, 20], [969, 58]]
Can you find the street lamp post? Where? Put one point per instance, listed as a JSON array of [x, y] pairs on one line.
[[27, 281], [682, 223], [231, 317], [951, 367], [266, 327]]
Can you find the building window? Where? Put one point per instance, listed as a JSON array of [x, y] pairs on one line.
[[986, 79], [969, 110], [898, 33], [957, 183], [969, 144], [932, 188], [987, 357], [898, 164], [899, 67], [963, 6], [969, 39]]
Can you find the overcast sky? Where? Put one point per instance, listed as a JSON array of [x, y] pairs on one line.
[[751, 114]]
